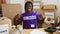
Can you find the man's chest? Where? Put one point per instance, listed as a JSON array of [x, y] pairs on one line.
[[29, 16]]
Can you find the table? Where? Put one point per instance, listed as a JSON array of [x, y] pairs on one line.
[[27, 31]]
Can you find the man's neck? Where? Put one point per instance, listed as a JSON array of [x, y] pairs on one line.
[[29, 12]]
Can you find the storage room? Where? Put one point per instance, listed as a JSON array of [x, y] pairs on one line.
[[29, 16]]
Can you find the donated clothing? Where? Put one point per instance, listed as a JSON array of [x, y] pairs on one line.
[[29, 20]]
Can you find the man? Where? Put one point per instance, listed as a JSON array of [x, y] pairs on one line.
[[29, 18]]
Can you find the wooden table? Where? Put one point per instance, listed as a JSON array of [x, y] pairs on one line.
[[27, 31]]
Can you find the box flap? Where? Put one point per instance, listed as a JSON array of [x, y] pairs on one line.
[[49, 7]]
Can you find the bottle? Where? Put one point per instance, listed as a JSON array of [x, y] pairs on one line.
[[20, 28]]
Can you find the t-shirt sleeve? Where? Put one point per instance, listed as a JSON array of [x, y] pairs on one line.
[[21, 17], [38, 17]]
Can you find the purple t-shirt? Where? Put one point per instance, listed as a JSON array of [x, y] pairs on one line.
[[29, 20]]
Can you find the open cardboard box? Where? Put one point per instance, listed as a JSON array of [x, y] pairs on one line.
[[50, 9]]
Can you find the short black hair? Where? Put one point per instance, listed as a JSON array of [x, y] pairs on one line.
[[28, 2]]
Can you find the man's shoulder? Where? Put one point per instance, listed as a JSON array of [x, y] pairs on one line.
[[22, 13], [35, 13]]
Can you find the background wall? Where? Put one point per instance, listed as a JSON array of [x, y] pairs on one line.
[[56, 2], [17, 2]]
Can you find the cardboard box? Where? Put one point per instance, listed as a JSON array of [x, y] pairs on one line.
[[40, 4], [39, 10], [5, 25], [52, 12], [11, 10], [50, 7]]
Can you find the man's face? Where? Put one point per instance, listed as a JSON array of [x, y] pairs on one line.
[[29, 7]]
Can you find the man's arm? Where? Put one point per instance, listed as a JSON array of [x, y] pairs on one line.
[[20, 19], [17, 20], [39, 21], [40, 18]]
